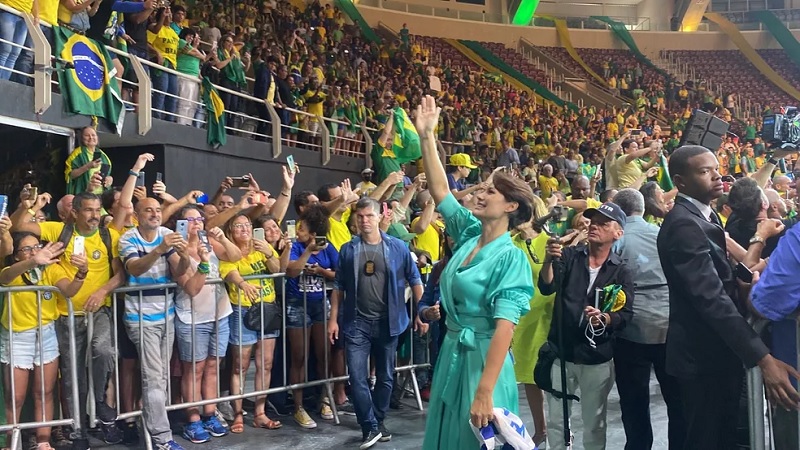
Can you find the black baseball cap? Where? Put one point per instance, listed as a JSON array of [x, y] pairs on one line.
[[610, 210]]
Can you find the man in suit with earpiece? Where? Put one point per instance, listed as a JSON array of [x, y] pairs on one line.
[[709, 342]]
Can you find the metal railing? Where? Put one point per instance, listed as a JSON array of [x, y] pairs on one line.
[[14, 427], [135, 296]]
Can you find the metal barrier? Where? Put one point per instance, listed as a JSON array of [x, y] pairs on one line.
[[763, 433], [14, 425]]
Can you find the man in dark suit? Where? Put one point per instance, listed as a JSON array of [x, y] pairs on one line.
[[709, 342]]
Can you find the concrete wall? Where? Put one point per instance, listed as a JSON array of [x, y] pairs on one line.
[[649, 42]]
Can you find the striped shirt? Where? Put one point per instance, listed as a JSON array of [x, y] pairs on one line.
[[155, 303]]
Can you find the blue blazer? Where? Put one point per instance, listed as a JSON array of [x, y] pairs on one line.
[[400, 270]]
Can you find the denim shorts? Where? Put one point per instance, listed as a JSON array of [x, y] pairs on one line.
[[27, 352], [247, 337], [208, 342], [297, 317]]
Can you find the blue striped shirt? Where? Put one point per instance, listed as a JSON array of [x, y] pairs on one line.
[[155, 303]]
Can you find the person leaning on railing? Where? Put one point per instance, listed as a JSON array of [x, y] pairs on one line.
[[258, 258], [202, 323], [232, 69], [35, 346], [164, 41], [105, 275], [189, 59], [13, 30]]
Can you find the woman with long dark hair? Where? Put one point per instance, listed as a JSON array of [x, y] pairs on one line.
[[485, 289]]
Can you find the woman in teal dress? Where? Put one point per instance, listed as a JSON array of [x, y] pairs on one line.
[[485, 289]]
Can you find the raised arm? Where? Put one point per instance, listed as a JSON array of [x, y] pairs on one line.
[[281, 204], [427, 118]]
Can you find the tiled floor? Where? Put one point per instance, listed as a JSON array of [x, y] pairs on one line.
[[408, 428]]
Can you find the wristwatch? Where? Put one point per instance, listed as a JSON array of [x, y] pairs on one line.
[[756, 238]]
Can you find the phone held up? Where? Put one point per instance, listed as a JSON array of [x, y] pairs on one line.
[[320, 241], [182, 227], [202, 235], [78, 245], [241, 182], [3, 205], [291, 229], [258, 234]]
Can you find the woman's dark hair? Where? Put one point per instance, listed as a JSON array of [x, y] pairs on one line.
[[745, 199], [515, 190], [315, 218], [187, 32], [107, 198], [16, 239], [651, 206], [438, 268]]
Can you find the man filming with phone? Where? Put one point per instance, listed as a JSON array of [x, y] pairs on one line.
[[105, 274], [596, 295]]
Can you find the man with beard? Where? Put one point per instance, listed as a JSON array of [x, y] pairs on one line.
[[105, 275]]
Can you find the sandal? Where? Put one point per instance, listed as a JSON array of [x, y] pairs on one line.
[[539, 438], [238, 423], [268, 424]]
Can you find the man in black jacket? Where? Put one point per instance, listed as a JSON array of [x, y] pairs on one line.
[[709, 341], [593, 275]]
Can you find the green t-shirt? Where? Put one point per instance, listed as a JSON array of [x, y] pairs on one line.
[[187, 63], [750, 132]]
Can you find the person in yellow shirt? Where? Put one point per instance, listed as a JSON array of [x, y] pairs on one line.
[[629, 167], [258, 258], [105, 274], [338, 200], [547, 182], [35, 265], [429, 229], [164, 41]]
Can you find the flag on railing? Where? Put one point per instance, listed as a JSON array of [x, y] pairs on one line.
[[216, 114], [663, 178], [87, 83], [405, 144]]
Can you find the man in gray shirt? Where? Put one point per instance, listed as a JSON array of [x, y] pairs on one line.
[[374, 269], [642, 344]]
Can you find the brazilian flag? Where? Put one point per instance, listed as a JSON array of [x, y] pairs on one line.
[[405, 145], [215, 115], [588, 170], [88, 84], [663, 178]]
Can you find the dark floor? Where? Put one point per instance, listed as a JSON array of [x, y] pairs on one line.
[[407, 426]]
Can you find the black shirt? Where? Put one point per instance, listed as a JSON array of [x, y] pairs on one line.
[[575, 284]]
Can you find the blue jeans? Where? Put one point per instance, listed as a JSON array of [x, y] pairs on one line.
[[362, 338], [25, 60], [164, 82], [12, 29]]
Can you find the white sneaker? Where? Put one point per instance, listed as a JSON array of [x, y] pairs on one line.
[[226, 411]]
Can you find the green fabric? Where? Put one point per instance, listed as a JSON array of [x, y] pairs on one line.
[[216, 114], [233, 71], [663, 177], [495, 284], [352, 12], [781, 34], [492, 59], [87, 86], [77, 159], [405, 144], [618, 28], [187, 63]]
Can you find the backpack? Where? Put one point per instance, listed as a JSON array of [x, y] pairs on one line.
[[105, 236]]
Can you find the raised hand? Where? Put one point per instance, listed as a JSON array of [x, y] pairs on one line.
[[427, 116], [142, 161], [49, 254]]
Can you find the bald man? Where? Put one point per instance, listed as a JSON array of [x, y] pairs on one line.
[[153, 254], [64, 207]]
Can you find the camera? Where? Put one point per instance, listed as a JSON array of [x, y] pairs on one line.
[[782, 128]]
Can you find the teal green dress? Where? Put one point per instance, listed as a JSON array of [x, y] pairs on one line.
[[496, 284]]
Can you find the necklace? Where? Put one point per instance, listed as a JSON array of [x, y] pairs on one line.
[[369, 265]]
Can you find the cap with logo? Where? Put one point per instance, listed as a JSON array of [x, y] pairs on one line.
[[462, 160], [610, 210]]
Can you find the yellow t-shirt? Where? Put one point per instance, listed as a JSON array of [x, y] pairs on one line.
[[96, 253], [548, 185], [166, 43], [339, 234], [20, 5], [48, 11], [627, 173], [24, 309], [255, 263], [315, 108], [429, 241]]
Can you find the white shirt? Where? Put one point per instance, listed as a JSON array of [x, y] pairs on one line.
[[705, 210]]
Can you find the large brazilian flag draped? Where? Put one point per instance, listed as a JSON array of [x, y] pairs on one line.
[[405, 144], [215, 109], [88, 86]]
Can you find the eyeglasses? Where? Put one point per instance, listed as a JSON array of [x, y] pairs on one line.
[[242, 226], [29, 249], [195, 219]]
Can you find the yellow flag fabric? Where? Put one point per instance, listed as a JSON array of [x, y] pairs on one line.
[[730, 29], [566, 42]]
